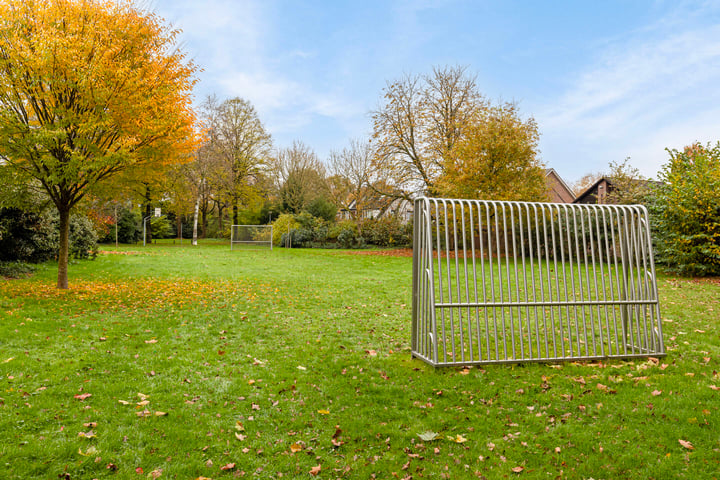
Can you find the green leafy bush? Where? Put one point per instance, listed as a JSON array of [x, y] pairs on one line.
[[321, 208], [33, 237], [27, 236], [83, 238], [282, 226], [15, 269], [387, 232], [687, 211]]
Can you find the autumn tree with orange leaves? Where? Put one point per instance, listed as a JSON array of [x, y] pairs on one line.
[[89, 89]]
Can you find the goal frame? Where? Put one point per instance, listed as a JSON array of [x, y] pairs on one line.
[[234, 240]]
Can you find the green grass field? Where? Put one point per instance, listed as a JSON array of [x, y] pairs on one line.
[[182, 362]]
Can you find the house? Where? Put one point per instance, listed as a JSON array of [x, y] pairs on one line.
[[380, 207], [558, 191], [599, 192]]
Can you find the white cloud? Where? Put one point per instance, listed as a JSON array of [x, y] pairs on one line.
[[642, 95]]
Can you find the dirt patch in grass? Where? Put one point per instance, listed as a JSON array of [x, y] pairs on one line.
[[398, 252]]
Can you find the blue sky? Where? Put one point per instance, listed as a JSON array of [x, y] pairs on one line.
[[605, 79]]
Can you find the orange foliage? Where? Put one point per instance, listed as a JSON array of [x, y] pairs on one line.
[[89, 89]]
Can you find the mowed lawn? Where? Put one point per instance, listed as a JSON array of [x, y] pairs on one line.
[[181, 362]]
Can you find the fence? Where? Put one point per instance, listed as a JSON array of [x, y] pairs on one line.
[[501, 282]]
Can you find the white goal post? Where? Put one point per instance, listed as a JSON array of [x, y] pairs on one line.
[[252, 235]]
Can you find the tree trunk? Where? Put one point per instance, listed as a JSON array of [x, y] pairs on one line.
[[148, 207], [203, 222], [62, 280], [195, 221]]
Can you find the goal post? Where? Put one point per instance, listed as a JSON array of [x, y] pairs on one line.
[[251, 236]]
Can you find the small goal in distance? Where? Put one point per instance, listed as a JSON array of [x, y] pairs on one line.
[[259, 236]]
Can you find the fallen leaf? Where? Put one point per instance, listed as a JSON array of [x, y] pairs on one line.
[[428, 436], [90, 451], [144, 413], [143, 403], [457, 439], [123, 402], [240, 436], [314, 471], [228, 466], [90, 425], [139, 470], [714, 387], [161, 414], [239, 426], [82, 396], [89, 434], [655, 393], [518, 469], [155, 474], [151, 341], [323, 412], [9, 360], [296, 447], [300, 367], [686, 444]]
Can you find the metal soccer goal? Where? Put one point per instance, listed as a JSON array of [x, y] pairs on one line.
[[501, 282], [251, 235]]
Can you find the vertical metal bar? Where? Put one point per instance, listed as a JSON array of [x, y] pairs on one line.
[[531, 259], [522, 206], [659, 347], [482, 273], [598, 297], [440, 289], [465, 205], [471, 216], [579, 278], [557, 285], [457, 276], [565, 286], [587, 282], [416, 284], [517, 285], [499, 272], [540, 274], [502, 287], [449, 285]]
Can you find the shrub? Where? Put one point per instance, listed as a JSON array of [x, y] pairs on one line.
[[281, 226], [321, 208], [15, 269], [161, 227], [346, 238], [387, 232], [27, 236], [33, 237], [335, 230], [687, 211], [83, 238]]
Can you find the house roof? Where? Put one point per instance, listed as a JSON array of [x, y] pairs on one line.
[[552, 171]]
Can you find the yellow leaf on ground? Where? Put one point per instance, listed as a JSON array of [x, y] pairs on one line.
[[457, 439], [324, 412], [295, 447]]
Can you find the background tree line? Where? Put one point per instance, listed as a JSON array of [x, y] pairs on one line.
[[105, 135]]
